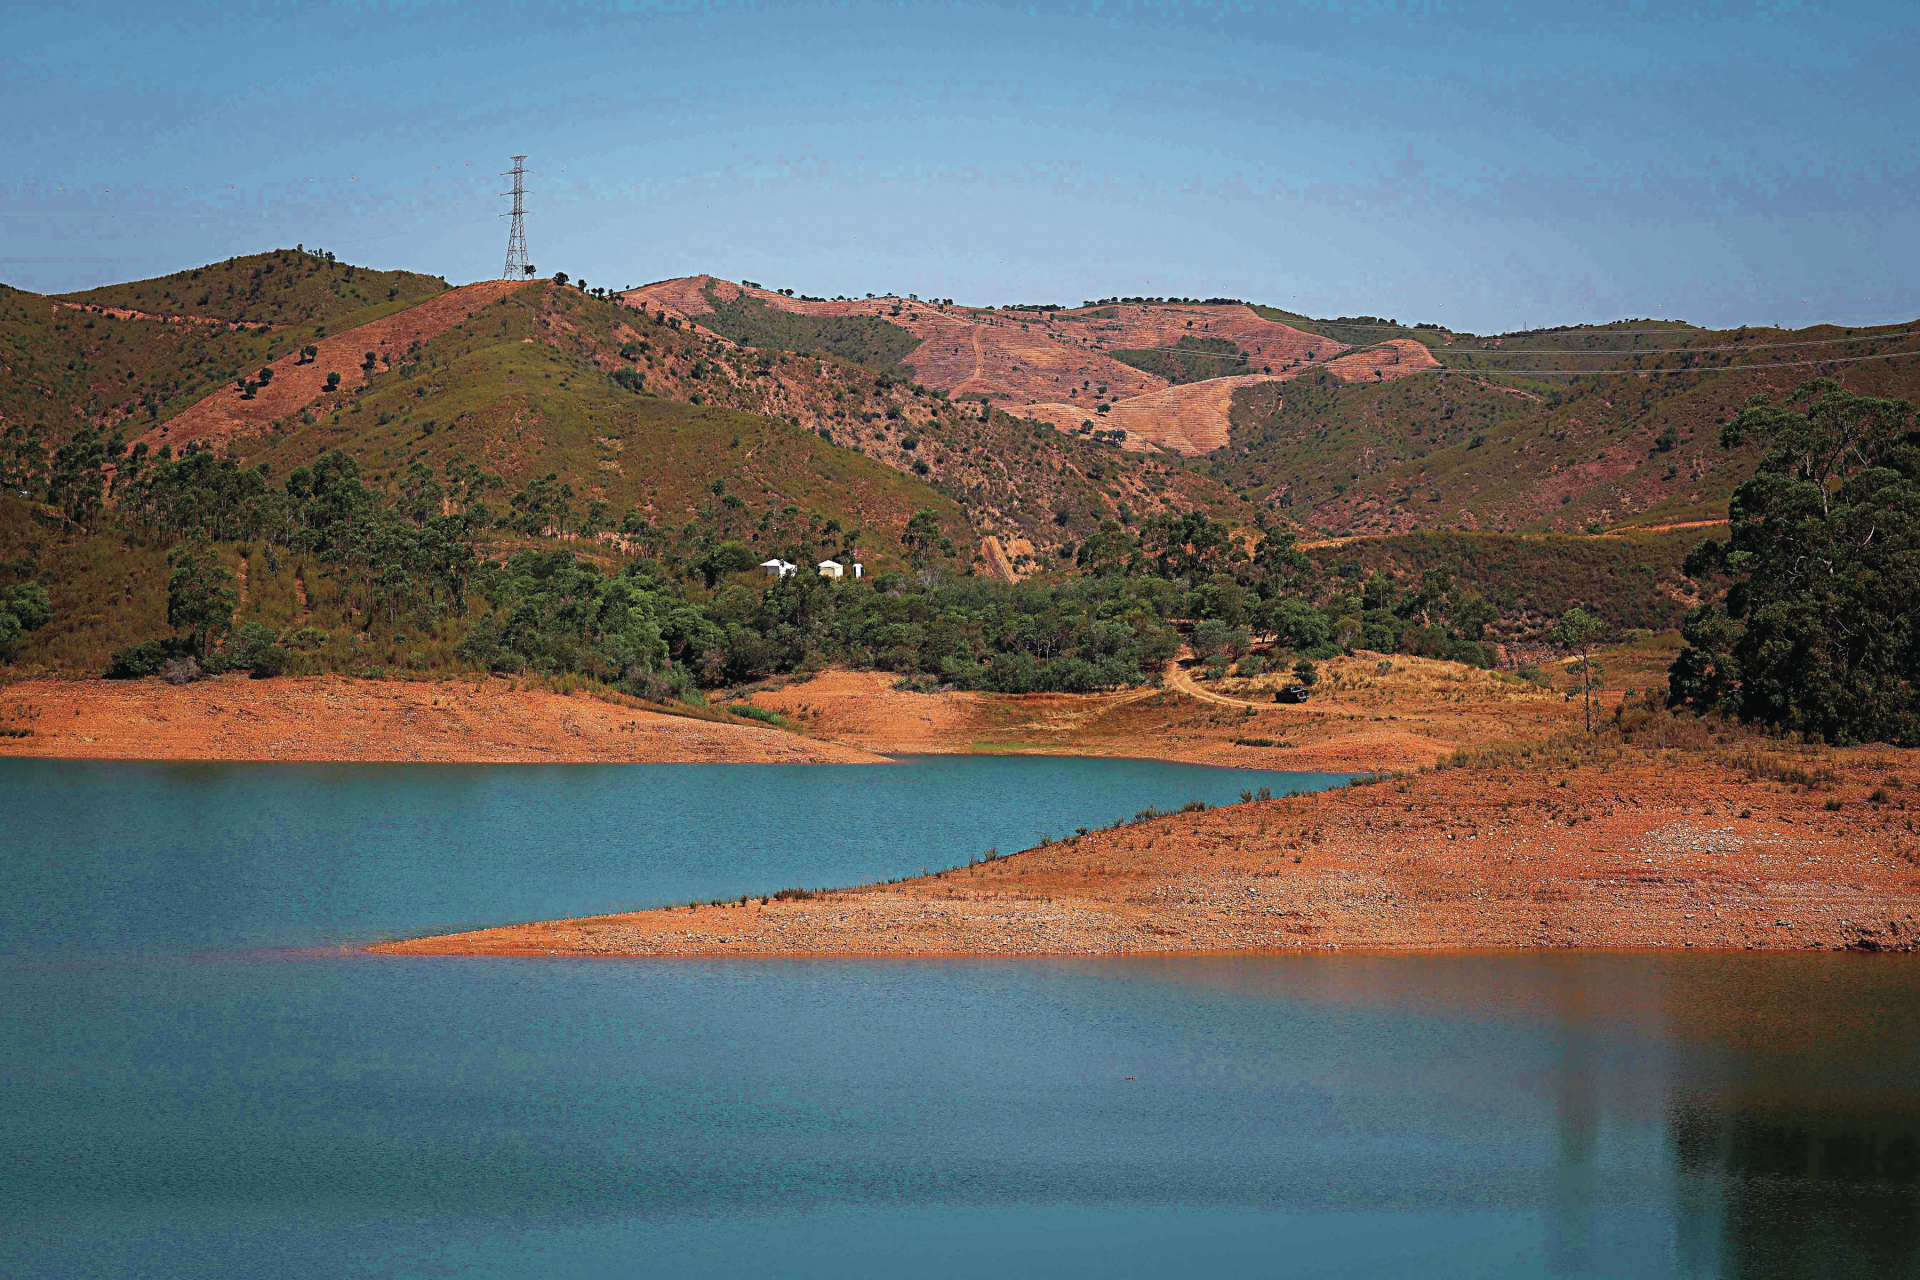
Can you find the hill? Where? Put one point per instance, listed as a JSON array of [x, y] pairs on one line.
[[1036, 491], [518, 389], [1626, 432], [1059, 365], [278, 288]]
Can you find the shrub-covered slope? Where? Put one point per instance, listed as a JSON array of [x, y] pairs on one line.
[[280, 287], [1490, 442]]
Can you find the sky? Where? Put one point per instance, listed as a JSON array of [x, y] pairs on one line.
[[1485, 166]]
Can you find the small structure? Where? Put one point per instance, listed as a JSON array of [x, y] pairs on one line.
[[858, 568], [778, 568], [831, 569]]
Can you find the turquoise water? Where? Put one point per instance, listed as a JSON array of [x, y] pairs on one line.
[[203, 1078]]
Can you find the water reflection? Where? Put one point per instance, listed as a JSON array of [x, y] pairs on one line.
[[1812, 1189], [1786, 1088]]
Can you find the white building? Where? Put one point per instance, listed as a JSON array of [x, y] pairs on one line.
[[831, 568], [778, 568]]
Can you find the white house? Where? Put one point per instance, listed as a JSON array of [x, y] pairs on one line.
[[831, 568], [778, 568]]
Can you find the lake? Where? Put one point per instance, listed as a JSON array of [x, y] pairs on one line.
[[205, 1077]]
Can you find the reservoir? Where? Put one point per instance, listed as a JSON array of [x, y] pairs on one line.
[[204, 1076]]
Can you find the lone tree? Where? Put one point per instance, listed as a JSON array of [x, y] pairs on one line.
[[1818, 633], [200, 599], [1306, 673], [1576, 630]]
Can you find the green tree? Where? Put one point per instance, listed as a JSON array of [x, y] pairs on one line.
[[726, 558], [1306, 673], [23, 608], [922, 538], [1818, 632], [200, 601], [1577, 630]]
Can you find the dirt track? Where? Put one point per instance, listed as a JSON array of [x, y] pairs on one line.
[[336, 719]]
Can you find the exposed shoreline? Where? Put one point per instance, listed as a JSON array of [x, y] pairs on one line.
[[333, 719], [1650, 850]]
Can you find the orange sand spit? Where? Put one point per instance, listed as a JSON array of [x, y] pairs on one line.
[[1648, 850]]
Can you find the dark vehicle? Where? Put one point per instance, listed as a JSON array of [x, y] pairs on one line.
[[1291, 693]]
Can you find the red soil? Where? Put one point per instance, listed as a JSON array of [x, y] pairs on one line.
[[224, 415], [1195, 417], [330, 718], [1632, 849], [1266, 343]]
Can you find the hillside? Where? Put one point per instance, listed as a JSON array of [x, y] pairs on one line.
[[517, 389], [278, 288], [64, 367], [1035, 490], [1488, 441], [1087, 365]]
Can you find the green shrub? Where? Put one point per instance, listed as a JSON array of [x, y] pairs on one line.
[[149, 658]]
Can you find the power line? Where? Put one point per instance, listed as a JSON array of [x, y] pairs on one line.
[[517, 267]]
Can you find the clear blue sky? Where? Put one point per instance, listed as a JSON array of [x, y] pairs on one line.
[[1484, 165]]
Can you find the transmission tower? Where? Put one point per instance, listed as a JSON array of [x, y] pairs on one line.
[[517, 267]]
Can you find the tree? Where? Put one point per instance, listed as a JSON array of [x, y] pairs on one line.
[[200, 602], [78, 483], [23, 608], [922, 537], [1306, 673], [309, 353], [1576, 630], [333, 382], [728, 557], [1818, 631], [560, 278]]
